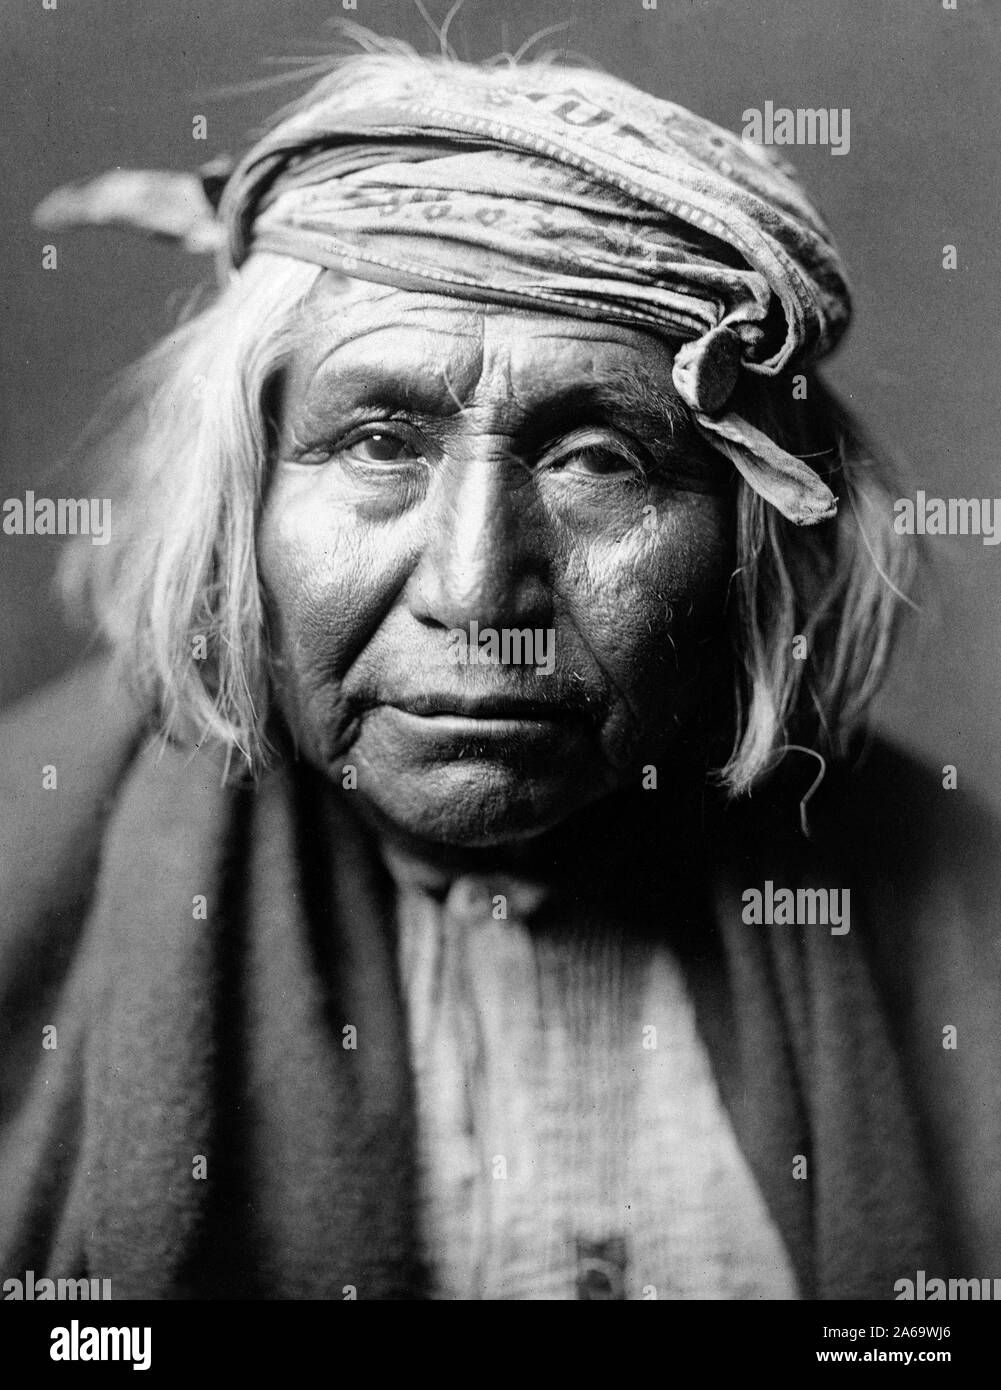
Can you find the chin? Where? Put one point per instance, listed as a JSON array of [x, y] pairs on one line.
[[472, 806]]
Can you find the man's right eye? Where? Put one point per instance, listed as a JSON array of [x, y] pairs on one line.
[[381, 446]]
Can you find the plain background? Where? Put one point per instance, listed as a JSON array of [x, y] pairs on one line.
[[96, 83]]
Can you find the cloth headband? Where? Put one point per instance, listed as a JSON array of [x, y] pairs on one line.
[[562, 189]]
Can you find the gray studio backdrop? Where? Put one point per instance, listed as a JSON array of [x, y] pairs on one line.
[[89, 84]]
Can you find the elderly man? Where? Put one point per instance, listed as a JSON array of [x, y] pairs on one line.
[[399, 922]]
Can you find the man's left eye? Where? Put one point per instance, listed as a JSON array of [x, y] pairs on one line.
[[595, 454], [598, 462]]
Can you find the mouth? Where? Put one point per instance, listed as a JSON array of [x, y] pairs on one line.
[[486, 719], [484, 708]]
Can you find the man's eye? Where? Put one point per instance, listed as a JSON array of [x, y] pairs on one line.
[[598, 462], [595, 454], [381, 447]]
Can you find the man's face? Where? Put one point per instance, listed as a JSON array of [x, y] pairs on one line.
[[443, 464]]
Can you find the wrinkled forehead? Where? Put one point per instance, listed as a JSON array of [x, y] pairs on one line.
[[356, 334]]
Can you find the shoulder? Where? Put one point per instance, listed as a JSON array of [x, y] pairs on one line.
[[887, 816], [917, 830], [922, 860], [928, 858], [64, 752]]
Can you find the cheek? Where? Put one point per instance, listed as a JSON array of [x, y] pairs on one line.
[[323, 587], [646, 602]]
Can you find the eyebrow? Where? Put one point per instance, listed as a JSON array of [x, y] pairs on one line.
[[637, 394], [632, 396]]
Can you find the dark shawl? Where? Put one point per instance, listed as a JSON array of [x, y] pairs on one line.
[[224, 1038]]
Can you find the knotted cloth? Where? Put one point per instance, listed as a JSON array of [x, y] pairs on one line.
[[543, 186], [568, 190]]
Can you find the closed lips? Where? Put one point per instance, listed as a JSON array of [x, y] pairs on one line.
[[484, 707]]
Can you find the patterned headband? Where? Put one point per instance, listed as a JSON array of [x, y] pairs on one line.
[[553, 188]]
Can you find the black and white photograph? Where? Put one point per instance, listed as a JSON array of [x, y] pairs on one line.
[[500, 748]]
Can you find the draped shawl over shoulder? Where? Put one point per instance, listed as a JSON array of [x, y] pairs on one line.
[[180, 1038]]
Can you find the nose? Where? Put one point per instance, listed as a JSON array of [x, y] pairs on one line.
[[483, 558]]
